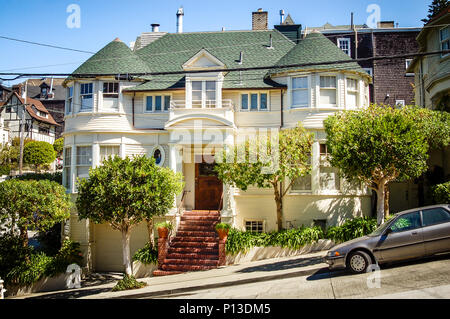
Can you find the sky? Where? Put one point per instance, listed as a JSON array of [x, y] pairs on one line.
[[101, 21]]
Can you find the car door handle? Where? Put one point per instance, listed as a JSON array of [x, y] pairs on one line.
[[414, 233]]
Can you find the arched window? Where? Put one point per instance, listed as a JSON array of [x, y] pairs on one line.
[[159, 155]]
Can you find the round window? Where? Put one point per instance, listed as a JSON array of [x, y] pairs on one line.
[[157, 155]]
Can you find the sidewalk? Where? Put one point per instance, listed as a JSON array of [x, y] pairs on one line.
[[258, 271]]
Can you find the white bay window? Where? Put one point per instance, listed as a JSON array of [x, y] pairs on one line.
[[328, 91], [352, 99], [300, 92], [86, 97]]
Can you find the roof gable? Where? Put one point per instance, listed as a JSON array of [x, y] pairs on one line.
[[203, 60]]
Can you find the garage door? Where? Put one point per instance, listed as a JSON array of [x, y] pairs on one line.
[[108, 246]]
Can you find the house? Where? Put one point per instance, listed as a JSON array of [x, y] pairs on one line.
[[194, 103], [4, 131], [392, 84], [39, 123], [432, 83], [51, 94]]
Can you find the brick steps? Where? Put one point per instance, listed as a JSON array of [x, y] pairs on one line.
[[195, 246]]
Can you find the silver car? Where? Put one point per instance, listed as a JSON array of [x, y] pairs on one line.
[[414, 233]]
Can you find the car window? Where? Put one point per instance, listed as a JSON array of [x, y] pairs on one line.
[[406, 222], [435, 216]]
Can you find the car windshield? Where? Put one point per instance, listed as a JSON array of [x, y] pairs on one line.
[[380, 229]]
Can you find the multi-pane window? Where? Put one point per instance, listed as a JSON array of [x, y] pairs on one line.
[[255, 226], [111, 89], [84, 161], [86, 95], [203, 94], [329, 178], [344, 45], [67, 164], [107, 151], [444, 35], [157, 103], [254, 101], [69, 100], [302, 183], [44, 130], [328, 91], [352, 93], [300, 92]]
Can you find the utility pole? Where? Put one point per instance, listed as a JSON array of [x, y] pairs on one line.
[[22, 129]]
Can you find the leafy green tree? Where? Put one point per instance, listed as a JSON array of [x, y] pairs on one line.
[[381, 144], [434, 8], [268, 163], [32, 205], [126, 192], [58, 146], [38, 153]]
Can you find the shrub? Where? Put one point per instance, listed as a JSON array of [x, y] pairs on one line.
[[352, 229], [12, 253], [167, 225], [223, 226], [69, 254], [241, 241], [38, 153], [58, 146], [54, 177], [128, 282], [147, 255], [441, 193], [29, 273], [5, 169]]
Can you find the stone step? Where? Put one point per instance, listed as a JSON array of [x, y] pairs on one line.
[[196, 233], [200, 218], [198, 223], [186, 268], [193, 250], [211, 256], [194, 239], [195, 228], [192, 262], [182, 244], [159, 272], [202, 213]]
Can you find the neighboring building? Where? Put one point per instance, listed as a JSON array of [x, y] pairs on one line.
[[177, 117], [39, 123], [4, 131], [392, 83], [52, 95]]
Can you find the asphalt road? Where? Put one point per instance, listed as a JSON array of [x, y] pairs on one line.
[[424, 279]]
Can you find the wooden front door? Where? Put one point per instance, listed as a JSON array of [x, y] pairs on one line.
[[208, 188]]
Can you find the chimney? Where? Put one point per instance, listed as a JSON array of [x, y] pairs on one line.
[[351, 22], [180, 14], [155, 27], [260, 20], [281, 16]]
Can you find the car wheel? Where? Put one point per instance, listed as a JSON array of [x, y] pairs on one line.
[[358, 262]]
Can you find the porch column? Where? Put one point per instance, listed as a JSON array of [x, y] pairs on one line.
[[315, 167], [228, 209], [175, 164]]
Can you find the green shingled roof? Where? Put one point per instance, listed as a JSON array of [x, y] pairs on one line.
[[316, 48], [114, 58]]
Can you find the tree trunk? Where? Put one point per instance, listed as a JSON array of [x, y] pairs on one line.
[[24, 238], [380, 203], [386, 201], [126, 250], [279, 203], [150, 230]]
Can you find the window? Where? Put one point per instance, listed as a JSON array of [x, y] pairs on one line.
[[44, 91], [328, 90], [323, 149], [369, 71], [255, 226], [406, 222], [203, 94], [67, 163], [111, 89], [158, 154], [352, 93], [107, 151], [300, 92], [44, 130], [344, 45], [399, 103], [42, 114], [254, 101], [407, 64], [435, 216], [444, 35], [69, 100], [84, 161], [157, 103], [86, 96], [302, 183]]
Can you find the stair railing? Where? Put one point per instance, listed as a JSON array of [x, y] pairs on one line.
[[180, 211]]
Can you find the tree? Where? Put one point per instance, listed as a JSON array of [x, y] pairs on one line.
[[126, 192], [38, 153], [32, 205], [58, 146], [435, 8], [268, 165], [381, 144]]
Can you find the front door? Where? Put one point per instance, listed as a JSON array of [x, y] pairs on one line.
[[208, 188]]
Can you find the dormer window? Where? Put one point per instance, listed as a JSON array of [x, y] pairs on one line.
[[42, 114], [44, 91], [203, 94]]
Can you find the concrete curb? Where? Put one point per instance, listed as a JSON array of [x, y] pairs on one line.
[[221, 284]]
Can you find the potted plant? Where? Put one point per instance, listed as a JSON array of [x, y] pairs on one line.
[[223, 229], [163, 229]]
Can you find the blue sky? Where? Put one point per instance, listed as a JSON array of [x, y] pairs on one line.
[[103, 20]]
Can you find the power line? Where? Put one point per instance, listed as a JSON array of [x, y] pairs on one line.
[[45, 45]]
